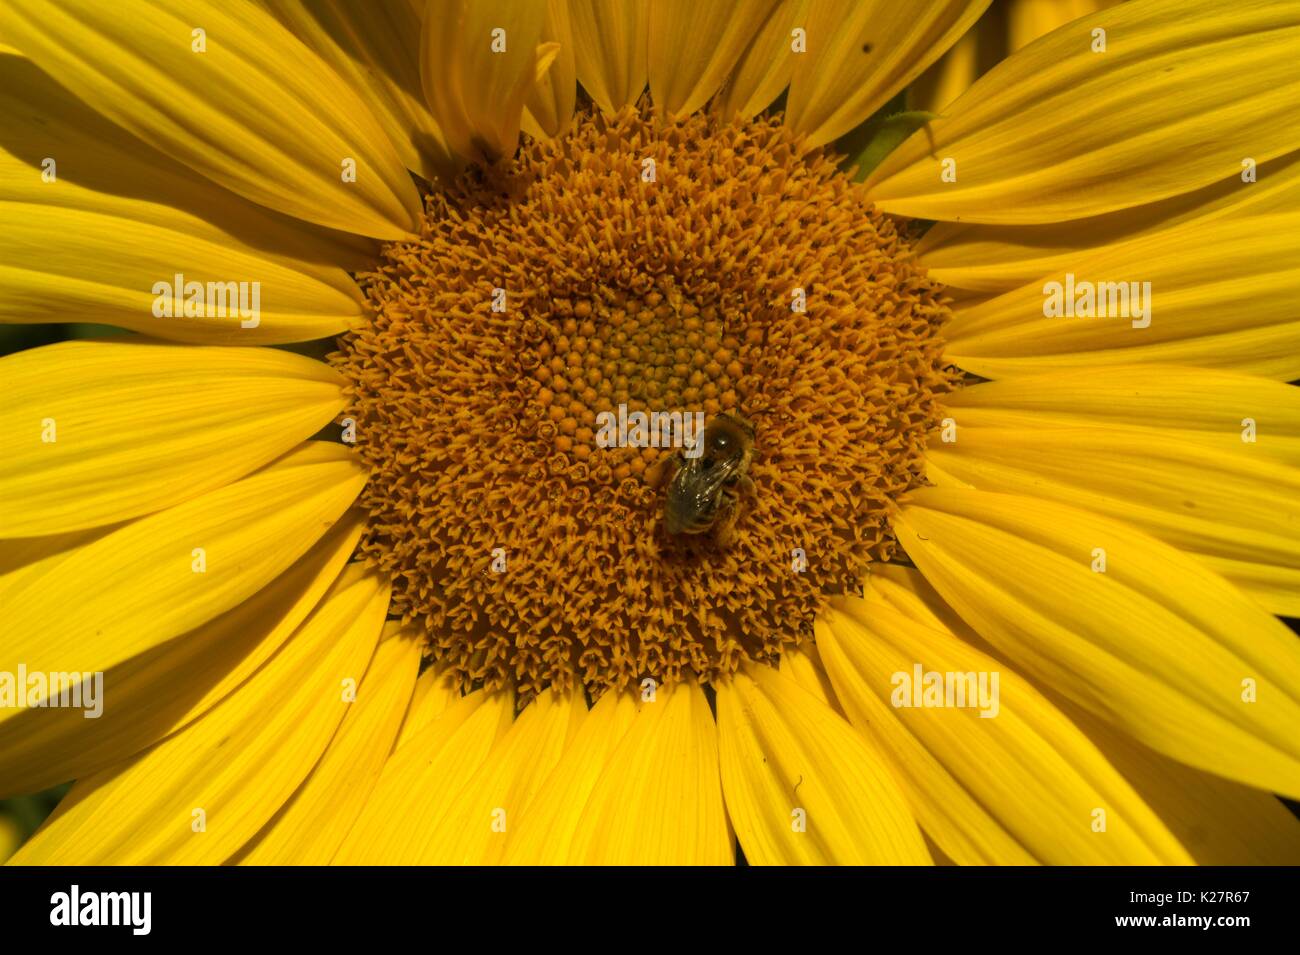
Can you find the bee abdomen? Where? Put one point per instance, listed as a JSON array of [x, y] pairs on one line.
[[696, 523]]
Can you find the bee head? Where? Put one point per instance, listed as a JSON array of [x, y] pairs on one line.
[[726, 437]]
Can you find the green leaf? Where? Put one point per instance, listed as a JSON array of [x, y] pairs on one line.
[[884, 136], [855, 140]]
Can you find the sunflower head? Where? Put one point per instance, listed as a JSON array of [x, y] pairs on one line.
[[657, 266]]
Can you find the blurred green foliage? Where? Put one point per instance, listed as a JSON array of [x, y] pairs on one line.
[[20, 816]]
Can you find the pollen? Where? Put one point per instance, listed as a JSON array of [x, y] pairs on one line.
[[693, 265]]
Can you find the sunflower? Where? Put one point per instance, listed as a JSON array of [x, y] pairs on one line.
[[1024, 460]]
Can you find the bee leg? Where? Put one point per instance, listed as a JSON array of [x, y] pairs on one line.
[[657, 474], [724, 529]]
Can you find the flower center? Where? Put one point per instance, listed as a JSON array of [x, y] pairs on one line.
[[639, 265]]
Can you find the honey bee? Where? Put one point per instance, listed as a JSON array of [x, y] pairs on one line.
[[704, 491]]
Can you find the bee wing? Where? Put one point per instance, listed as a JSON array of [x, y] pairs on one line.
[[703, 483]]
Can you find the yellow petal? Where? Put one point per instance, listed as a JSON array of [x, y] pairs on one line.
[[694, 46], [1273, 586], [1220, 822], [999, 258], [24, 559], [1156, 643], [310, 826], [139, 427], [544, 835], [1217, 821], [1058, 131], [201, 794], [804, 666], [490, 805], [162, 575], [765, 68], [372, 48], [420, 781], [1238, 506], [906, 590], [435, 690], [802, 787], [11, 837], [157, 692], [76, 265], [1027, 20], [609, 46], [659, 799], [478, 62], [97, 166], [1003, 29], [978, 49], [861, 52], [1008, 780], [255, 110], [1213, 294], [548, 108], [1208, 407]]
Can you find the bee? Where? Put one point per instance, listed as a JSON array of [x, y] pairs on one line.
[[704, 491]]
